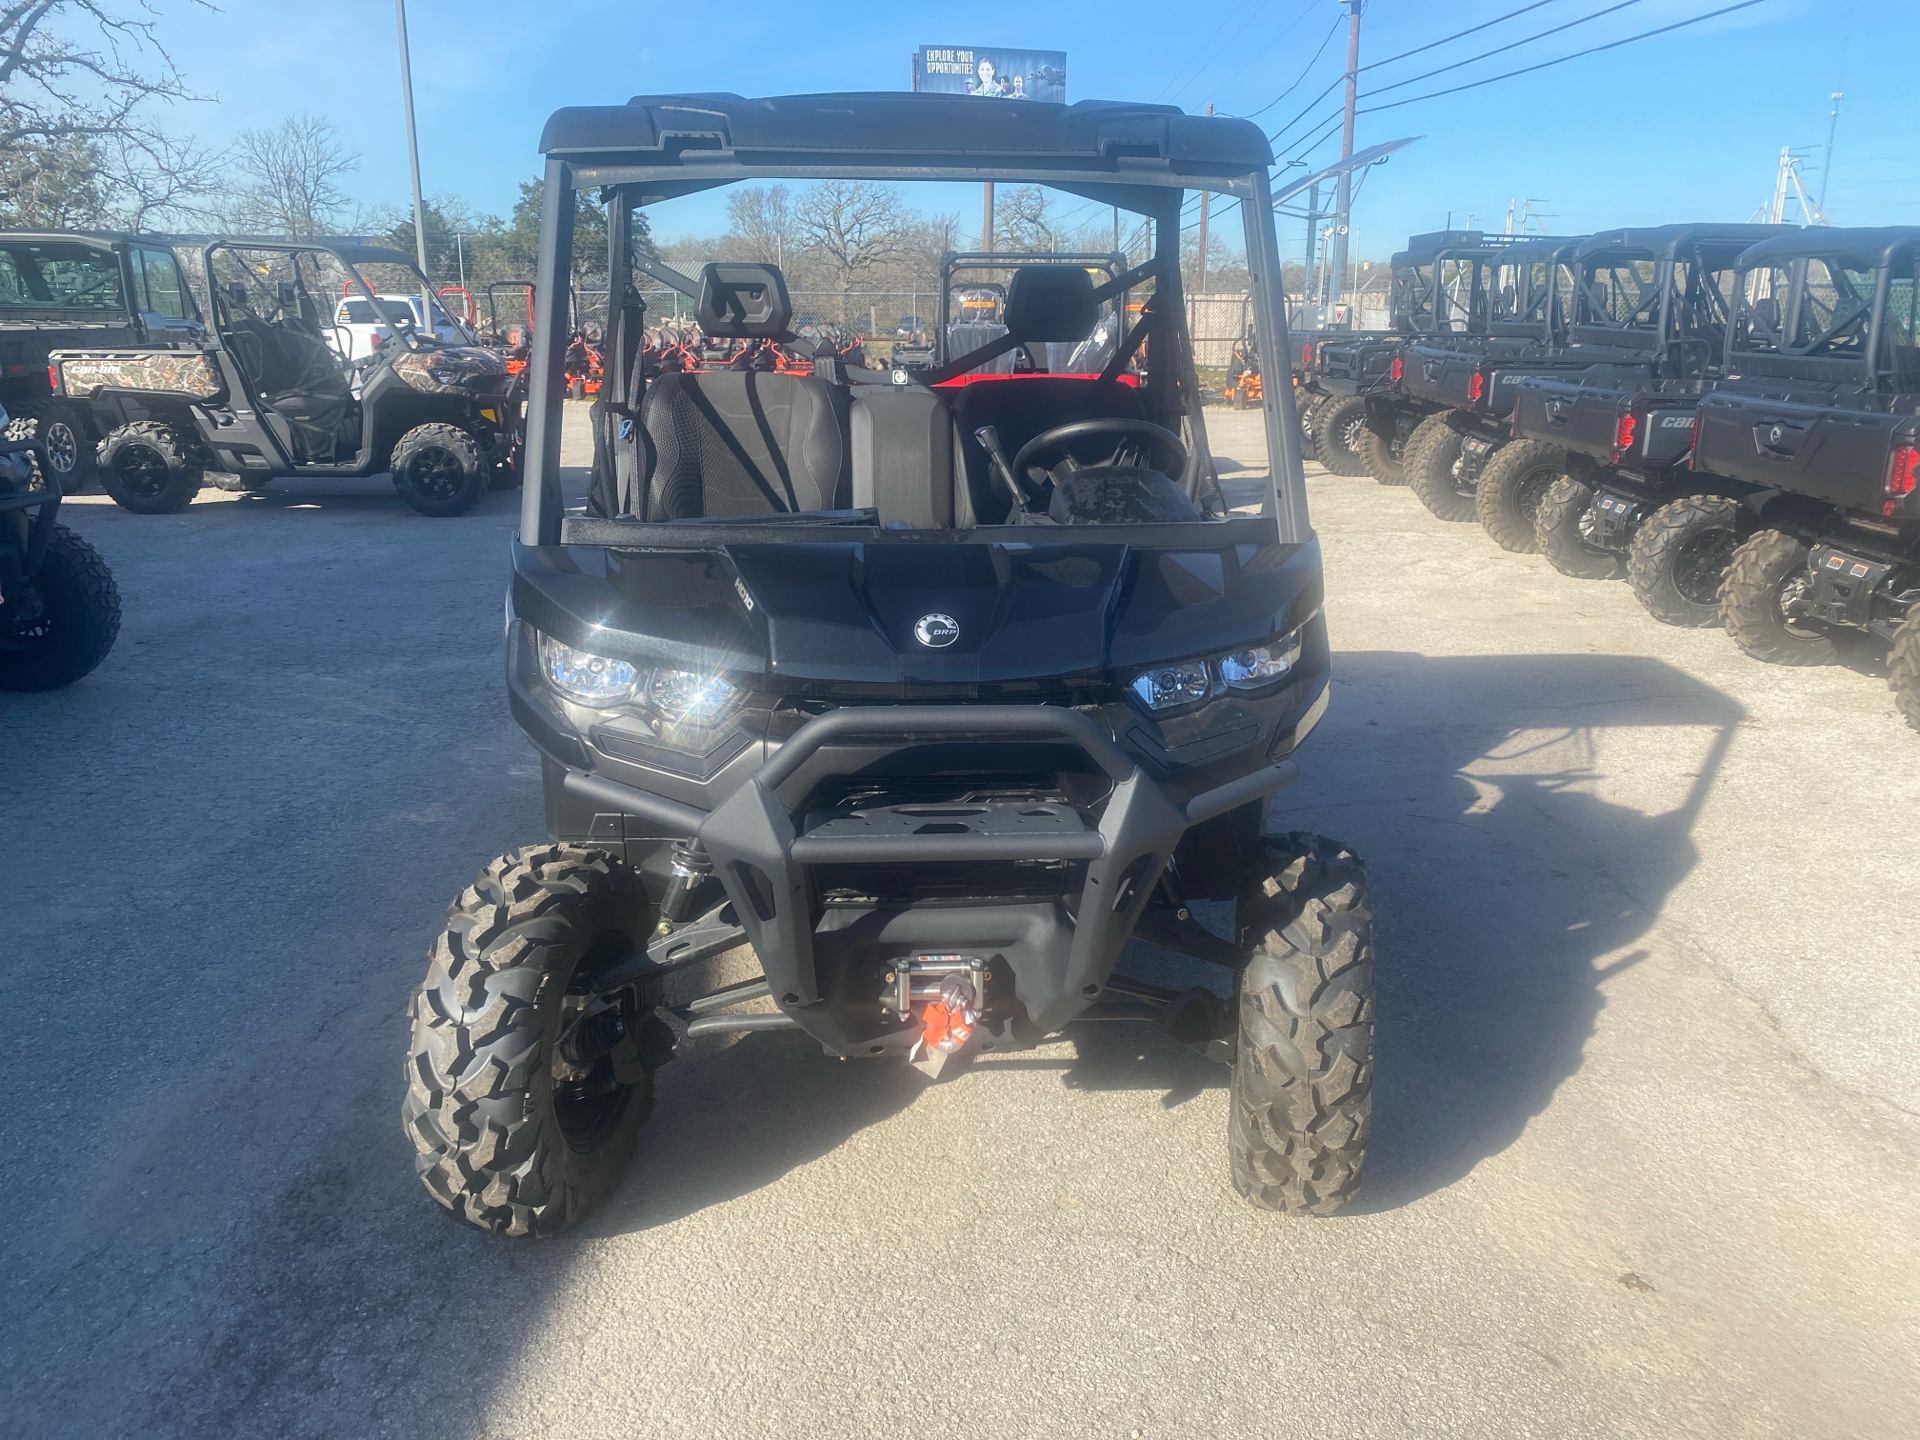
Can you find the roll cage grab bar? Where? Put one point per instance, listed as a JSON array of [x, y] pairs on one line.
[[542, 505]]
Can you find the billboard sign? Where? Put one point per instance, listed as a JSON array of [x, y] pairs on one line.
[[991, 73]]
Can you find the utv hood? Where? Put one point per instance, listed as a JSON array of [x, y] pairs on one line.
[[939, 616]]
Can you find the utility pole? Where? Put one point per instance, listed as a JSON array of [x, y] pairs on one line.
[[1343, 201], [1200, 269], [1310, 279], [1826, 166], [413, 154], [986, 215]]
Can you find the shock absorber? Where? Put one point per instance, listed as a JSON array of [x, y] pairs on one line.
[[691, 866]]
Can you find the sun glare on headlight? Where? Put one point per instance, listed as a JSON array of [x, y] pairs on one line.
[[586, 678], [688, 697]]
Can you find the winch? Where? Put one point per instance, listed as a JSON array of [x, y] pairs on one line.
[[948, 992]]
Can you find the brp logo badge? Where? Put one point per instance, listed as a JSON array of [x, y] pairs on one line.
[[1776, 435], [936, 631]]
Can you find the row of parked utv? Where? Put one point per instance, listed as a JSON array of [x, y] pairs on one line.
[[1724, 415]]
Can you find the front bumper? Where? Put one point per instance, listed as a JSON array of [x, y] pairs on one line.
[[827, 968]]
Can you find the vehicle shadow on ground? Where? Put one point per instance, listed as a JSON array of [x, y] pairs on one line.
[[1505, 890]]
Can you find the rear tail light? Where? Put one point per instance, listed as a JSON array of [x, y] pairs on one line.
[[1901, 475], [1395, 369], [1476, 386], [1306, 353], [53, 377], [1623, 432]]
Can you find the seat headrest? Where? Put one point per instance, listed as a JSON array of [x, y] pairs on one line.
[[743, 302], [1051, 303]]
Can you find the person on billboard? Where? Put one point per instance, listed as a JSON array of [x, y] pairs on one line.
[[986, 82]]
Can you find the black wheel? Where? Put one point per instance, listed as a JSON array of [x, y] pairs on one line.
[[1384, 457], [69, 454], [1563, 530], [440, 470], [1433, 469], [1768, 575], [1302, 1085], [1680, 555], [1903, 667], [524, 1093], [1512, 489], [149, 468], [1337, 436], [59, 622]]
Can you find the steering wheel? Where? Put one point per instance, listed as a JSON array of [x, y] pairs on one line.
[[1061, 436]]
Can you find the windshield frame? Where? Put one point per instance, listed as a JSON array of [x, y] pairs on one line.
[[1156, 192]]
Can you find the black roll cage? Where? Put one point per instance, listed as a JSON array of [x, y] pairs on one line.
[[1141, 174], [1880, 251]]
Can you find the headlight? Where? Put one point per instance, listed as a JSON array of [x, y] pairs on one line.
[[689, 697], [586, 678], [1260, 666], [1170, 686], [447, 369]]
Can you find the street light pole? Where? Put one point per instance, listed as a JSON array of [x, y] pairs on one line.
[[413, 158]]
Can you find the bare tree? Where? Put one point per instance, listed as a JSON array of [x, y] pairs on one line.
[[854, 226], [290, 177], [1020, 220], [73, 148], [762, 225], [71, 69]]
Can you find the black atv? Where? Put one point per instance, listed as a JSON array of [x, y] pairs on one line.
[[65, 288], [59, 607], [933, 686], [1818, 413], [1602, 458], [271, 391], [1343, 368], [971, 311]]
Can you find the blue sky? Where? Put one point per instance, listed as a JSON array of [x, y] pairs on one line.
[[1682, 127]]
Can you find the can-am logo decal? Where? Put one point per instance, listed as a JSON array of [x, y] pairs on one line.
[[936, 630]]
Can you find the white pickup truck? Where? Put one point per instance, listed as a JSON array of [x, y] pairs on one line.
[[360, 328]]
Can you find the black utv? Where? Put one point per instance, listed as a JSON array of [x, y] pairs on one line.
[[933, 686], [971, 311], [1601, 458], [59, 607], [1818, 413], [1442, 295], [271, 391], [65, 288], [1343, 368]]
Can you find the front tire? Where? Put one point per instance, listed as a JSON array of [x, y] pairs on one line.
[[1337, 436], [511, 1132], [1903, 667], [1679, 558], [68, 452], [440, 470], [62, 620], [1433, 459], [1302, 1087], [1512, 489], [150, 468], [1383, 456], [1557, 529], [1755, 598]]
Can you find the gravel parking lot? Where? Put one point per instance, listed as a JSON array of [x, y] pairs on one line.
[[1647, 1115]]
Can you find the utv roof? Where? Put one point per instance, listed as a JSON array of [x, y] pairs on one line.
[[1663, 242], [904, 129], [103, 238], [1868, 247], [1536, 247], [353, 250], [1421, 249]]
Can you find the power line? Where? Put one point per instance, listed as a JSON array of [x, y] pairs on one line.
[[1459, 34], [1547, 64], [1302, 75], [1502, 49], [1198, 51], [1227, 44]]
